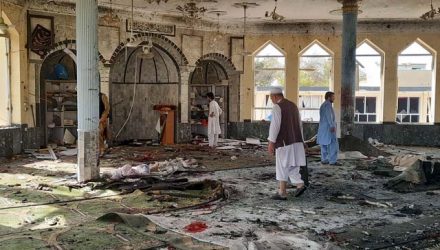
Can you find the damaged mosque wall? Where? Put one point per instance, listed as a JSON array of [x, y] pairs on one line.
[[180, 54]]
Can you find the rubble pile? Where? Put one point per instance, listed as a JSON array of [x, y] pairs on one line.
[[161, 168]]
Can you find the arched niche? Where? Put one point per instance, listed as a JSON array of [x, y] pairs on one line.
[[47, 73], [137, 84], [208, 72], [63, 52]]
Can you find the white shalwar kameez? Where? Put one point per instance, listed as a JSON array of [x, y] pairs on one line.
[[214, 123], [288, 158]]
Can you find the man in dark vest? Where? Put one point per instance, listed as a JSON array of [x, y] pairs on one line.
[[287, 143]]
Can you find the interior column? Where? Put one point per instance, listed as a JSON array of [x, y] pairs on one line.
[[88, 88], [348, 74]]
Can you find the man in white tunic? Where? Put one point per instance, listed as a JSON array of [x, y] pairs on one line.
[[213, 120], [287, 143]]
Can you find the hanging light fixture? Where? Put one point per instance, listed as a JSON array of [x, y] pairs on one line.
[[3, 25], [245, 6], [431, 14], [132, 43], [218, 36]]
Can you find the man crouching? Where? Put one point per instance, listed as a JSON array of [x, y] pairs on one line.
[[286, 142]]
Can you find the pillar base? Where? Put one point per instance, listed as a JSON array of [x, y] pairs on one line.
[[88, 168]]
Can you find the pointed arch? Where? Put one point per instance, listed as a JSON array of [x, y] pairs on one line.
[[222, 60], [316, 73], [269, 70], [316, 42], [369, 82], [372, 45], [269, 45], [420, 43], [416, 83]]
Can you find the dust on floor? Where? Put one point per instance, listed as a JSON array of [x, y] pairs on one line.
[[345, 207]]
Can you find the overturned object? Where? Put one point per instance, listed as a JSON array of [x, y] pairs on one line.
[[402, 162], [422, 174]]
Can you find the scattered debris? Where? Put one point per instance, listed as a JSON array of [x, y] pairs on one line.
[[53, 221], [401, 162], [69, 152], [69, 138], [375, 142], [253, 141], [351, 155], [50, 155], [411, 210], [157, 168], [351, 143], [377, 204], [226, 148], [420, 176]]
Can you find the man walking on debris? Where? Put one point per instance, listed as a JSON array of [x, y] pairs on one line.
[[286, 142], [327, 132], [213, 120]]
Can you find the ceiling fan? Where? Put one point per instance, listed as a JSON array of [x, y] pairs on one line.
[[191, 10], [274, 15]]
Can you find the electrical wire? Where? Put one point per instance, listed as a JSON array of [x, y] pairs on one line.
[[132, 100]]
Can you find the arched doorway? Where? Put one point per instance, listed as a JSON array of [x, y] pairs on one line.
[[208, 76]]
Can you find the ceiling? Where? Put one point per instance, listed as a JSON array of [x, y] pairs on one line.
[[292, 10]]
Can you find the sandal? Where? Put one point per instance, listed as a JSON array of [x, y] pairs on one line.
[[300, 191], [278, 197]]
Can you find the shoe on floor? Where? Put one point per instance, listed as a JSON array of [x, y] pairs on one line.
[[278, 197], [335, 164], [324, 162], [300, 191]]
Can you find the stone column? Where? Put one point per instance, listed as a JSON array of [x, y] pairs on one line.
[[88, 88], [390, 87], [292, 74], [348, 74], [436, 92]]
